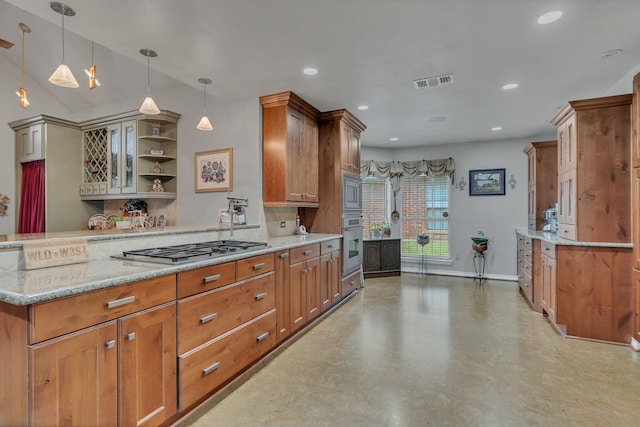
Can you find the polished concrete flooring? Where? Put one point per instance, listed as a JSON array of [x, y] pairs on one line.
[[437, 351]]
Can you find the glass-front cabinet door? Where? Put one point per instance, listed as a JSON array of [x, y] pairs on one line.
[[122, 156]]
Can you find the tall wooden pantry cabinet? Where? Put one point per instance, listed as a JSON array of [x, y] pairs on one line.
[[635, 210]]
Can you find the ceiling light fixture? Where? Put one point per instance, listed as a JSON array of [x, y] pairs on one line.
[[395, 138], [496, 128], [310, 71], [510, 86], [550, 17], [205, 124], [63, 76], [608, 54], [22, 92], [148, 106], [363, 107], [91, 72]]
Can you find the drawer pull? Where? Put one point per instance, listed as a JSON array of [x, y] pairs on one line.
[[131, 336], [353, 282], [330, 246], [308, 252], [121, 301], [110, 344], [262, 337], [211, 368], [208, 318], [261, 296], [258, 266], [284, 255], [211, 278]]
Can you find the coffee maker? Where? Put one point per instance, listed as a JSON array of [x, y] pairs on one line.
[[550, 217]]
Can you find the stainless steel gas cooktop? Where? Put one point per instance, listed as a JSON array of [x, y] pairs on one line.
[[191, 252]]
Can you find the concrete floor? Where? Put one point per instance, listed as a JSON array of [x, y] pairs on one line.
[[438, 351]]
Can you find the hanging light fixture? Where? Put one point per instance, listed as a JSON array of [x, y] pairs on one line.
[[63, 76], [205, 124], [148, 106], [91, 72], [22, 92]]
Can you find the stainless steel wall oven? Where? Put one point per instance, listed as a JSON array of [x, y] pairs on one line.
[[352, 243]]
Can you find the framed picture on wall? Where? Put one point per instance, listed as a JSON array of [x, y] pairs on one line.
[[486, 182], [214, 170]]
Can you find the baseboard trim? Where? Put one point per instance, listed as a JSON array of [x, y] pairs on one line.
[[505, 277]]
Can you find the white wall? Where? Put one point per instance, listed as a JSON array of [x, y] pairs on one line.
[[496, 216]]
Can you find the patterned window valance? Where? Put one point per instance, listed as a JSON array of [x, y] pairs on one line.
[[395, 171]]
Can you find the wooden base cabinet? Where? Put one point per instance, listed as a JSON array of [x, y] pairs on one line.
[[381, 257], [330, 274], [283, 290], [549, 302]]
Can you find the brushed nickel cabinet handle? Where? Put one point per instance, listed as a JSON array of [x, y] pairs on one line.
[[131, 336], [258, 266], [121, 301], [261, 296], [110, 344], [308, 252], [262, 337], [211, 278], [210, 368], [208, 318], [353, 282], [284, 255]]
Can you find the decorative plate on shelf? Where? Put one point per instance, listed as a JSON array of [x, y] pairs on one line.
[[161, 222], [97, 222]]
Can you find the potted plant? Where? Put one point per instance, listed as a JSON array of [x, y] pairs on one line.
[[386, 228], [480, 242], [375, 230]]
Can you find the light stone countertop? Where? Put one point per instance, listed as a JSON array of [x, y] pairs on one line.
[[553, 238], [34, 286]]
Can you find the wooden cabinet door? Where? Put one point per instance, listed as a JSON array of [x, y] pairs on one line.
[[148, 366], [122, 158], [552, 300], [295, 169], [297, 296], [309, 161], [532, 216], [371, 256], [345, 148], [29, 144], [325, 282], [335, 276], [636, 305], [74, 379], [390, 254], [312, 279], [354, 149], [571, 145], [635, 216], [546, 283], [635, 122], [283, 298]]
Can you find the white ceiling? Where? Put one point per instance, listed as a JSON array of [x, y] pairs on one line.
[[367, 52]]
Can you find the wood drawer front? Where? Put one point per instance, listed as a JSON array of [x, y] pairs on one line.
[[208, 367], [531, 224], [528, 243], [253, 266], [548, 249], [55, 318], [204, 317], [350, 283], [204, 279], [567, 231], [520, 240], [304, 253], [527, 256], [330, 246]]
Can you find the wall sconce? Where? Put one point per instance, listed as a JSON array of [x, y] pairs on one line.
[[148, 106], [462, 184], [512, 182], [91, 73], [63, 76], [22, 92], [205, 124]]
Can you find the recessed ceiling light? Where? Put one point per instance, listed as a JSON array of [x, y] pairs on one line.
[[496, 128], [436, 119], [363, 107], [310, 71], [394, 138], [510, 86], [610, 53], [550, 17]]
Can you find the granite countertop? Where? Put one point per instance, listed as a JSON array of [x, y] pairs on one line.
[[553, 238], [34, 286]]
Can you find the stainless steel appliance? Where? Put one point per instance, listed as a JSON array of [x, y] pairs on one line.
[[180, 254], [352, 243], [550, 217], [351, 195]]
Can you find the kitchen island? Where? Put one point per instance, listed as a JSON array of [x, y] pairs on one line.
[[584, 288], [129, 342]]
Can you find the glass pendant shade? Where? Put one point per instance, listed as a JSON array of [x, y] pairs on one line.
[[205, 124], [63, 76], [149, 107], [91, 73], [22, 94]]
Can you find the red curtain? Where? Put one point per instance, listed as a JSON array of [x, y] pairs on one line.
[[31, 219]]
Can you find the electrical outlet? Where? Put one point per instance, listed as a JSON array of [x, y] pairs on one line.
[[283, 224]]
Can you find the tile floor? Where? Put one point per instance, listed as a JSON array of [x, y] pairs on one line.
[[437, 351]]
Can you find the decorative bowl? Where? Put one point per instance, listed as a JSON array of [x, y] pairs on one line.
[[422, 239], [480, 240]]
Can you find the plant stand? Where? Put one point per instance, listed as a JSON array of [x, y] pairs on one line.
[[422, 241], [478, 265]]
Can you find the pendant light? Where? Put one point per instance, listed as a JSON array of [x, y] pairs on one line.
[[63, 76], [148, 106], [91, 72], [205, 124], [22, 92]]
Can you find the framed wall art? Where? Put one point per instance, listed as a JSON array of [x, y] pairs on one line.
[[214, 170], [486, 182]]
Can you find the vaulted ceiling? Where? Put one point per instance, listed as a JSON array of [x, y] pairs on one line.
[[367, 52]]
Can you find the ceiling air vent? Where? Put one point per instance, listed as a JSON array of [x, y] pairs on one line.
[[428, 82]]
